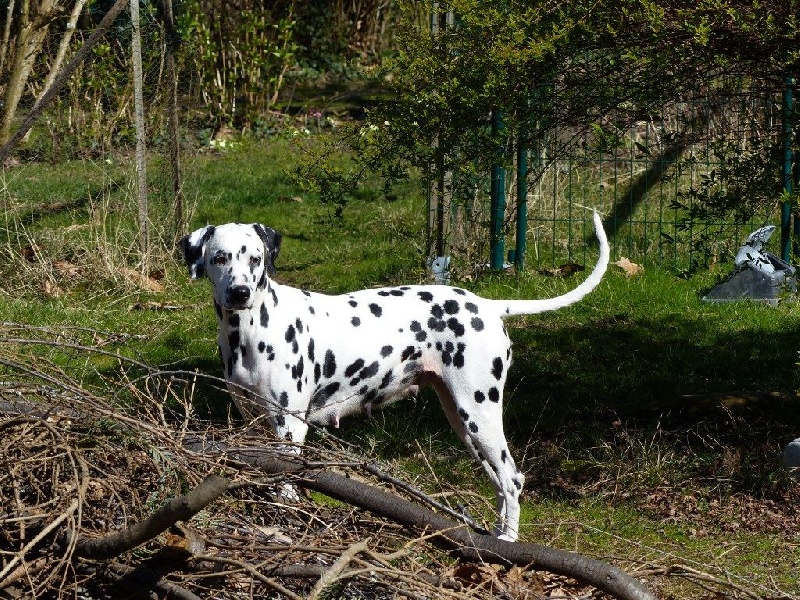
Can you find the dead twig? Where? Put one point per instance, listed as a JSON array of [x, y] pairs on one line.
[[253, 571], [330, 576]]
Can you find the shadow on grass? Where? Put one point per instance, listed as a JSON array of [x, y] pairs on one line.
[[581, 396]]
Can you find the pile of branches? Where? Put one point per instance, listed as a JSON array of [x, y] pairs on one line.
[[111, 487]]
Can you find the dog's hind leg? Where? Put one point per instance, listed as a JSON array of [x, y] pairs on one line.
[[481, 429]]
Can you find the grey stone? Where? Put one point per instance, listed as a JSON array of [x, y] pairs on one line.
[[791, 457]]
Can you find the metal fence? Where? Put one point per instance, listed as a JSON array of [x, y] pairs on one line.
[[647, 185], [647, 178]]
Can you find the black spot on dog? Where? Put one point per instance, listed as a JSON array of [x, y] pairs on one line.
[[408, 353], [471, 307], [411, 367], [297, 370], [284, 399], [437, 324], [321, 396], [262, 346], [233, 340], [455, 326], [415, 327], [306, 293], [477, 323], [290, 333], [517, 484], [447, 353], [375, 309], [311, 350], [497, 368], [369, 371], [463, 414], [425, 296], [264, 315], [437, 311], [354, 367], [299, 325], [311, 310], [459, 291], [387, 379], [386, 351], [353, 303], [473, 427], [458, 358], [274, 297], [355, 321], [494, 394], [451, 307], [317, 372], [243, 348], [233, 320], [280, 421], [329, 366], [479, 396], [503, 455]]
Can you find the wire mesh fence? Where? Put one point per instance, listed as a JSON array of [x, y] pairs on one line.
[[681, 188], [652, 178]]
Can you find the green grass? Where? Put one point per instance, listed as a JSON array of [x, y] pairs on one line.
[[593, 403]]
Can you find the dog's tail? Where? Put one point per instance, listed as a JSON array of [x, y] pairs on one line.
[[529, 307]]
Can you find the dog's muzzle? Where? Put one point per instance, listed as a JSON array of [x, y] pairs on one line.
[[239, 296]]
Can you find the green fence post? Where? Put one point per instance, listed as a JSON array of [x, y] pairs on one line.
[[498, 202], [788, 160], [522, 205]]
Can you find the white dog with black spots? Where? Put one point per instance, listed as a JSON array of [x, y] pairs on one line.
[[301, 358]]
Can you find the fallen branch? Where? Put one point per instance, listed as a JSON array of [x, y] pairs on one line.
[[449, 535], [180, 508], [330, 576]]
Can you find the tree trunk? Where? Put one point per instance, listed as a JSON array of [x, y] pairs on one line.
[[141, 159], [6, 34], [62, 77], [30, 38], [63, 47], [174, 149]]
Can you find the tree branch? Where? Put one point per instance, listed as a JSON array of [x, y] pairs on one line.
[[180, 508]]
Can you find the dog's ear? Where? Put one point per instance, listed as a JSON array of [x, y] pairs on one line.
[[193, 247], [272, 243]]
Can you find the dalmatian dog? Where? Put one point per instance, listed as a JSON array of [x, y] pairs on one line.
[[299, 358]]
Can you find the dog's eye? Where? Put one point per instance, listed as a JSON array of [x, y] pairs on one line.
[[220, 259], [255, 261]]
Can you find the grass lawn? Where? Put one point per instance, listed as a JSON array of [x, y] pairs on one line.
[[638, 415]]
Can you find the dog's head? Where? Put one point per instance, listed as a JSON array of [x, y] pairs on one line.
[[236, 258]]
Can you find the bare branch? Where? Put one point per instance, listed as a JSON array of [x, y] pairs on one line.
[[180, 508]]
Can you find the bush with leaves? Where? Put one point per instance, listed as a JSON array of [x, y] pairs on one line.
[[554, 71]]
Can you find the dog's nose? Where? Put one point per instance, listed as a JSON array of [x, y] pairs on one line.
[[239, 294]]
